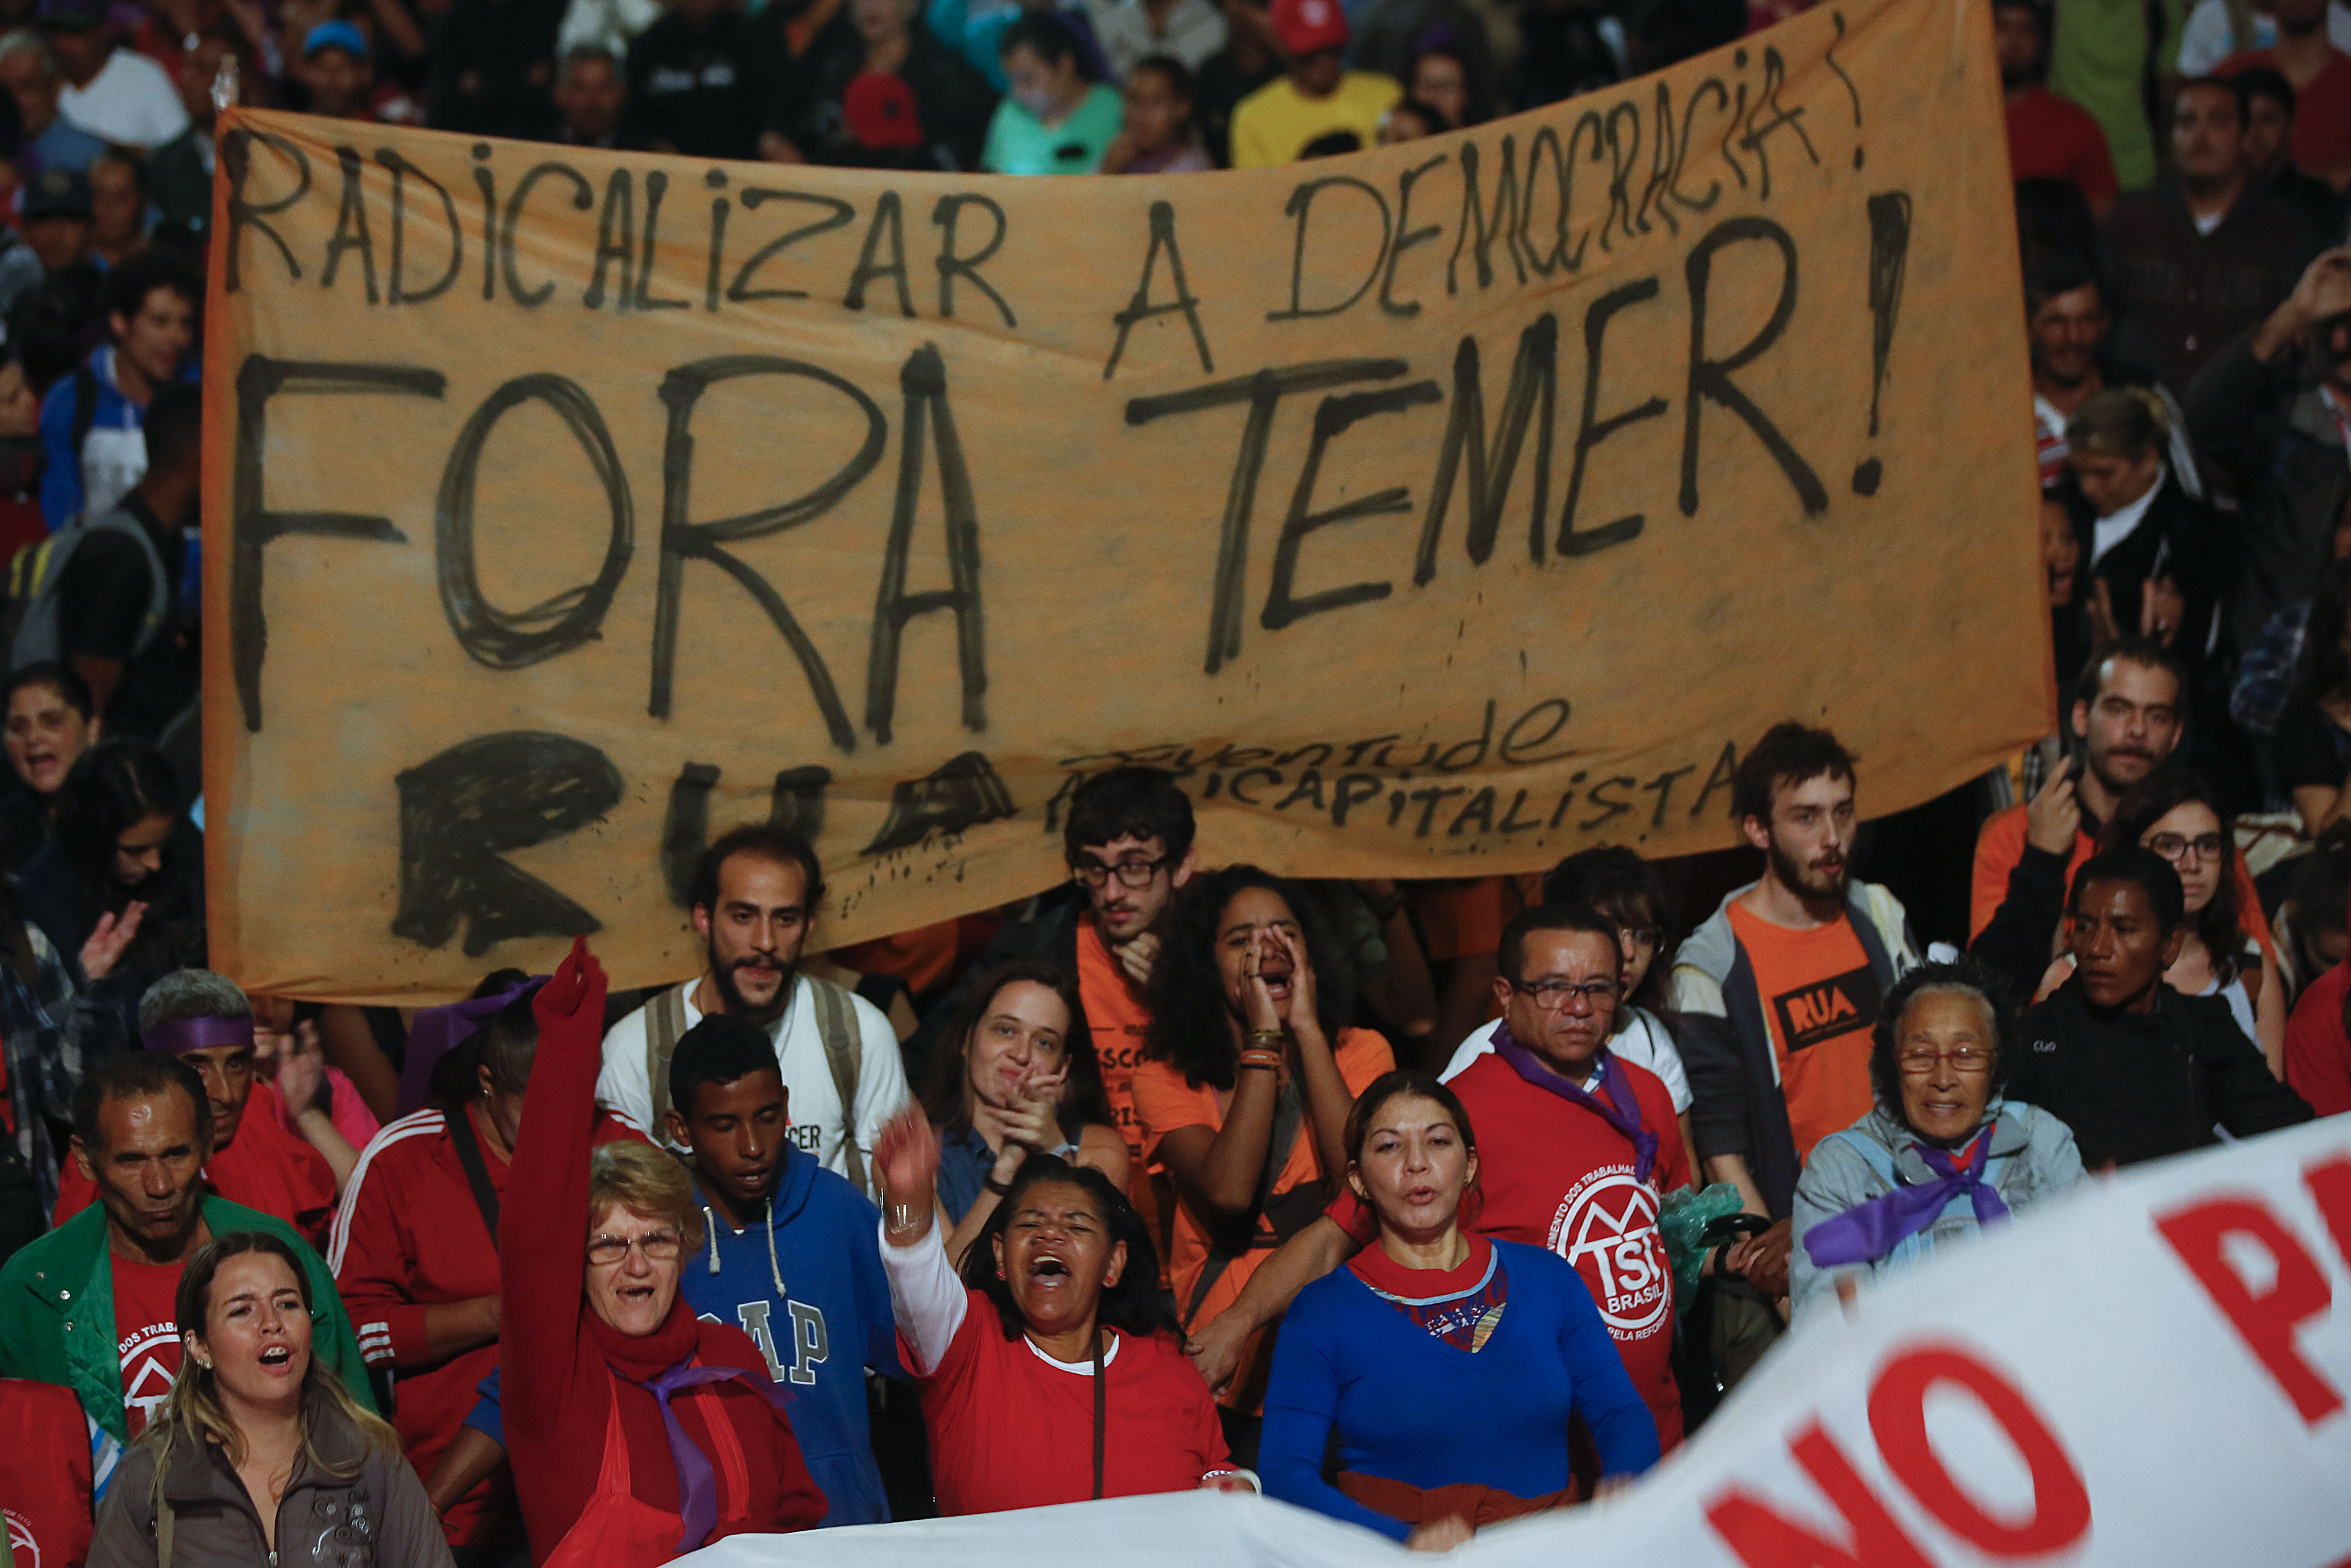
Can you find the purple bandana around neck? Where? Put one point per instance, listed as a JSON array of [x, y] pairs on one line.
[[437, 1032], [697, 1481], [1619, 1109], [183, 1035], [1869, 1231]]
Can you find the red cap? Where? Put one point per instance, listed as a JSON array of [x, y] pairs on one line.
[[1305, 26]]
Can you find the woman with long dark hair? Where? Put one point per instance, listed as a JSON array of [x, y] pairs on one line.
[[260, 1454], [1009, 1082], [2181, 819], [125, 853], [1430, 1322], [1052, 1371], [1245, 1092]]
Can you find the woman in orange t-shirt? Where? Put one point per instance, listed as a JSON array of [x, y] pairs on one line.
[[1244, 1092]]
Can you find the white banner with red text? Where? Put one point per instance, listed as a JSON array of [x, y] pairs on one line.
[[2151, 1371]]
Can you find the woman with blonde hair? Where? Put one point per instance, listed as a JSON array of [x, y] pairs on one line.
[[638, 1432], [260, 1454]]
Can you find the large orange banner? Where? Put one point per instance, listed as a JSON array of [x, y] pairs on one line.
[[1432, 511]]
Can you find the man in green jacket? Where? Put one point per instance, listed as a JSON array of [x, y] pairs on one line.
[[89, 1306]]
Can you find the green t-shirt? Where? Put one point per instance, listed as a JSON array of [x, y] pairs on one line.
[[1021, 144], [2098, 59]]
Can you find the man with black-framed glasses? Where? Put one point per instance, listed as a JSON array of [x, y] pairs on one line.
[[1127, 838]]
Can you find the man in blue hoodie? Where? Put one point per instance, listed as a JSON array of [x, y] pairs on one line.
[[793, 1255]]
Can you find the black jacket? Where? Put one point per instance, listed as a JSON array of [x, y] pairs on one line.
[[2177, 537], [2137, 1086], [694, 91], [2284, 458]]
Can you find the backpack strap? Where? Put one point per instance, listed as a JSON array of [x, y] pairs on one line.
[[665, 1026], [1229, 1240], [477, 1170], [844, 1052]]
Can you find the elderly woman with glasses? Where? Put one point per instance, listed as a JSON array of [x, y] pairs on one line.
[[1941, 1155], [638, 1432]]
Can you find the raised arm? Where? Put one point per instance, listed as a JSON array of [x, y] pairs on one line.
[[543, 1221], [927, 1299]]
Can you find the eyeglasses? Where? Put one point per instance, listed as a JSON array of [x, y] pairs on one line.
[[1130, 873], [2176, 847], [1647, 937], [1916, 1061], [1551, 996], [659, 1247]]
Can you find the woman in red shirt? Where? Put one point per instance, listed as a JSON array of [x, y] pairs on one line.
[[1050, 1370], [637, 1431]]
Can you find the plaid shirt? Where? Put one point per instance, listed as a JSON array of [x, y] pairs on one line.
[[45, 1027], [2265, 675]]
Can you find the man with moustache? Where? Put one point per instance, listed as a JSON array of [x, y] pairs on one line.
[[1778, 990], [754, 898], [90, 1306], [206, 1021], [2127, 721]]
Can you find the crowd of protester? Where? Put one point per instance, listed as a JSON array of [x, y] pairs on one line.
[[1183, 1174]]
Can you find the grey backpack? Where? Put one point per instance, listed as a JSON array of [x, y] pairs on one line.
[[38, 569]]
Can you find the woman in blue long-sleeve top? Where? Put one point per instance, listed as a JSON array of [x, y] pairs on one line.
[[1451, 1363]]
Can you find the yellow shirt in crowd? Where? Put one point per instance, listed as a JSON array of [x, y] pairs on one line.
[[1275, 123]]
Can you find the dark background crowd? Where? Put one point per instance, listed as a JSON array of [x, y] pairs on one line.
[[1175, 1103]]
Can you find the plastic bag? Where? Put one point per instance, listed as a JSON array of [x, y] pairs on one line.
[[1683, 1222]]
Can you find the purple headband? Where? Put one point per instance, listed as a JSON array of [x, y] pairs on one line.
[[437, 1032], [183, 1035]]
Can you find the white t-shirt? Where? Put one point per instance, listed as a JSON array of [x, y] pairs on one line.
[[813, 1102], [131, 100], [2207, 41], [1643, 1041]]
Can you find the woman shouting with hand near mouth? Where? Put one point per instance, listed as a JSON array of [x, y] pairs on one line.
[[1245, 1096], [1050, 1370]]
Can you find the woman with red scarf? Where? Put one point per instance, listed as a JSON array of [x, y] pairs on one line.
[[637, 1431]]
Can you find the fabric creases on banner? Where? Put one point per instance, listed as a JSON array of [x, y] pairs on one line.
[[1433, 511], [2078, 1387]]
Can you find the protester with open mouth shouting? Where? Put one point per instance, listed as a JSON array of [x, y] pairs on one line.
[[637, 1431], [1050, 1370], [261, 1454], [1246, 1095]]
